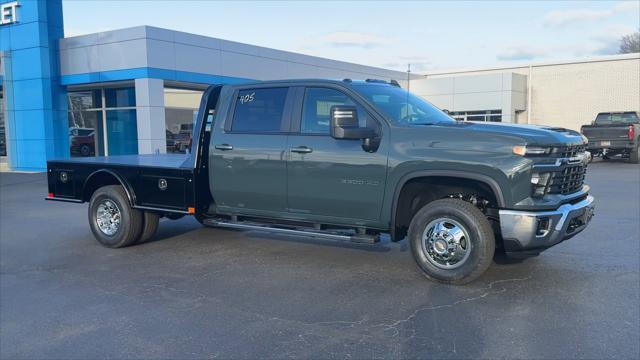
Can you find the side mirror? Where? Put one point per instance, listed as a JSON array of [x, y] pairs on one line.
[[344, 124]]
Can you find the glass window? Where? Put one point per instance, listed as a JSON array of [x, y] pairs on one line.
[[317, 106], [97, 127], [82, 100], [259, 110], [120, 97], [122, 132], [401, 106], [478, 115], [181, 111], [626, 117], [85, 132], [179, 127]]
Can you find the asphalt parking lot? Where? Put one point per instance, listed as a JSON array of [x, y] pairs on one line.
[[197, 292]]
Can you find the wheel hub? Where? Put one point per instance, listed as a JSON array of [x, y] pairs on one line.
[[445, 243], [108, 217], [440, 246]]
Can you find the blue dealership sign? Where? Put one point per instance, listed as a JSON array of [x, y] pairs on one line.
[[36, 108]]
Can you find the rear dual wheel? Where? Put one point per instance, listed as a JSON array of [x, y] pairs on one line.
[[113, 221]]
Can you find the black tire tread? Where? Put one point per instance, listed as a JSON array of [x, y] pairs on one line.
[[478, 222], [132, 224], [149, 226]]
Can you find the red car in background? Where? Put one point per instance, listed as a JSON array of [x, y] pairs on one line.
[[82, 141]]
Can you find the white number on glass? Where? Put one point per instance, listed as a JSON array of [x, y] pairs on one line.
[[247, 98]]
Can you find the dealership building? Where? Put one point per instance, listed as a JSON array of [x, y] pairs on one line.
[[137, 90]]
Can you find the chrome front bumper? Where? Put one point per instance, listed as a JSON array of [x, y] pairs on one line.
[[533, 230]]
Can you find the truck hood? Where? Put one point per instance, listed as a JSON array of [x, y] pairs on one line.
[[527, 134]]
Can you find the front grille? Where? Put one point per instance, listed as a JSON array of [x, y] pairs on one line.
[[568, 152], [569, 178]]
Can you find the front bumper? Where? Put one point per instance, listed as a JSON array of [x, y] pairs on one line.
[[539, 230]]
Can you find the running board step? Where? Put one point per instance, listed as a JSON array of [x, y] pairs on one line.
[[357, 238]]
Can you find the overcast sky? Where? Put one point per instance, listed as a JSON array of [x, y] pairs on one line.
[[429, 35]]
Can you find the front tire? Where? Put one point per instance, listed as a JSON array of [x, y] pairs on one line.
[[451, 241], [112, 220]]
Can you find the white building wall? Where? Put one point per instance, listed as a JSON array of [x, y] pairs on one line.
[[470, 92], [570, 94]]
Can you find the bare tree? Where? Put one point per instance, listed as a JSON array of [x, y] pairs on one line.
[[630, 43]]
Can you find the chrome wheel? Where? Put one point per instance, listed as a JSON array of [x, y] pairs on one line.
[[446, 243], [108, 217]]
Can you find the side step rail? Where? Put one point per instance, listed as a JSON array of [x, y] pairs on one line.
[[357, 238]]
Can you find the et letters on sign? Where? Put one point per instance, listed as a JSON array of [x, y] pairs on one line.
[[9, 13]]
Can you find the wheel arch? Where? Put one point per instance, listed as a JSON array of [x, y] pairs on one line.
[[489, 182], [105, 177]]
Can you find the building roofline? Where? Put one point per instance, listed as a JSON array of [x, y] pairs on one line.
[[165, 34], [534, 64]]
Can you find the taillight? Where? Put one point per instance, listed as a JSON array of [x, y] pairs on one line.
[[632, 132], [50, 195]]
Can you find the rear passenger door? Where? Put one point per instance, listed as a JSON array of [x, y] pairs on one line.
[[248, 155], [333, 178]]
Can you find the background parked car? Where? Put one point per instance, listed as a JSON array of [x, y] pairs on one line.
[[82, 141]]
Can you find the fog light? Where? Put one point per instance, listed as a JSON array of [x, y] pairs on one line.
[[543, 227]]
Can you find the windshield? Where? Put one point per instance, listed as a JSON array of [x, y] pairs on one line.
[[626, 117], [401, 106]]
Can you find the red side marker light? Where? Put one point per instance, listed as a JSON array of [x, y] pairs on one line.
[[50, 195]]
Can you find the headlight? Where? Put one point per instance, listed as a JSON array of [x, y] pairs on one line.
[[523, 150], [540, 182]]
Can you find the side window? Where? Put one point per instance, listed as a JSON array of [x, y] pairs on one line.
[[259, 110], [316, 107]]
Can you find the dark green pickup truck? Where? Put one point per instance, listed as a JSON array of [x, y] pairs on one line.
[[347, 160]]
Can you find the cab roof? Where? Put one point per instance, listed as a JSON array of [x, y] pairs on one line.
[[342, 82]]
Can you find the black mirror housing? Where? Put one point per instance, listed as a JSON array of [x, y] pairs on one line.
[[345, 125]]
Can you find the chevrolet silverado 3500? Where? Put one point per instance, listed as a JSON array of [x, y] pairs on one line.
[[347, 160]]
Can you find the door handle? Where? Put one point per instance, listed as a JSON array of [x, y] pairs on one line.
[[224, 147], [302, 150]]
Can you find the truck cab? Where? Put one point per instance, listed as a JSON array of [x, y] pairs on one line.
[[347, 160]]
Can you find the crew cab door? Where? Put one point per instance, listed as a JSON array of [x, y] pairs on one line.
[[329, 177], [248, 155]]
